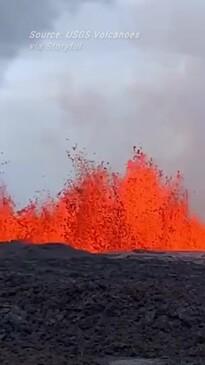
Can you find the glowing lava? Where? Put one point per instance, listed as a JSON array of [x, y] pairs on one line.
[[101, 211]]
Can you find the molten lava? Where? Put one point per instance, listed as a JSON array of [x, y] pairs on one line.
[[100, 211]]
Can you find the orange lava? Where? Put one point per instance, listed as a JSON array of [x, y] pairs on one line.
[[100, 211]]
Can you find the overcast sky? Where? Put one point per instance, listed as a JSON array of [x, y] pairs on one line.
[[106, 96]]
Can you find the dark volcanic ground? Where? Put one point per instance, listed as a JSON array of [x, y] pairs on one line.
[[59, 306]]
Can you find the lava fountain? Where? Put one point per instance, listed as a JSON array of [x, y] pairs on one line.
[[101, 211]]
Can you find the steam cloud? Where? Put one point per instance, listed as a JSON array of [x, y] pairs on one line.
[[107, 97]]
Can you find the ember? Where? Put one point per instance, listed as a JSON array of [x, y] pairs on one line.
[[100, 211]]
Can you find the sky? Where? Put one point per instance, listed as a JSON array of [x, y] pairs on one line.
[[106, 95]]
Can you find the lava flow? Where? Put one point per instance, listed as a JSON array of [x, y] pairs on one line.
[[100, 211]]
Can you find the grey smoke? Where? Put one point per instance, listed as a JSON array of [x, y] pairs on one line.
[[17, 18], [109, 96]]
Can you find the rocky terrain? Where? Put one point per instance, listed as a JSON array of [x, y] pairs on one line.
[[59, 306]]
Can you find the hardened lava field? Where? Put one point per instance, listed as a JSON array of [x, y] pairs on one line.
[[62, 306]]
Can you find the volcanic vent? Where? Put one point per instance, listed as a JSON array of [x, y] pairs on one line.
[[102, 211]]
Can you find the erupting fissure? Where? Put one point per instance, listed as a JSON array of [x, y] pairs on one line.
[[101, 211]]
